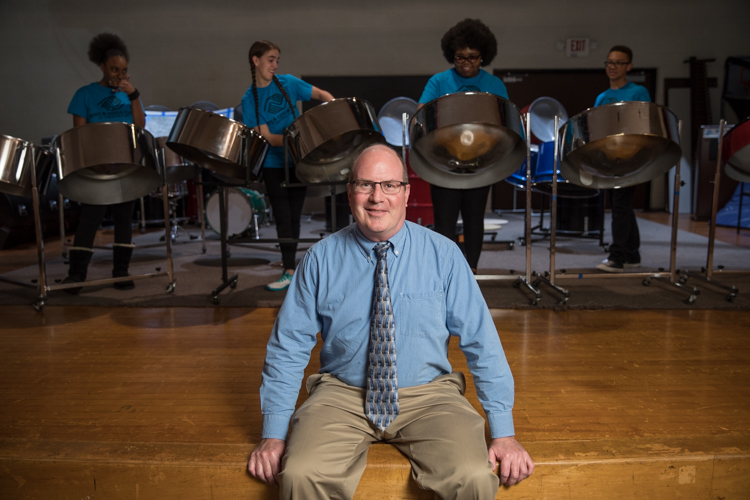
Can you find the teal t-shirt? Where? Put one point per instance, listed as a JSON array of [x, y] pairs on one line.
[[274, 111], [450, 82], [628, 92], [100, 104]]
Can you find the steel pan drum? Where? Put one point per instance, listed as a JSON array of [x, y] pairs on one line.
[[736, 152], [178, 168], [390, 119], [326, 139], [466, 140], [107, 163], [543, 111], [15, 166], [226, 147], [544, 173], [619, 145]]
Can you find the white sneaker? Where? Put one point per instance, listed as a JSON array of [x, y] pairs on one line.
[[281, 283]]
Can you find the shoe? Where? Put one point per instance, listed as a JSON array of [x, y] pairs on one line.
[[611, 266], [631, 265], [79, 258], [281, 283]]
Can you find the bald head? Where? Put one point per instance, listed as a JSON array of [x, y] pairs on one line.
[[381, 149]]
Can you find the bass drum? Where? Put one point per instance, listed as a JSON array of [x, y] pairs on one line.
[[242, 204]]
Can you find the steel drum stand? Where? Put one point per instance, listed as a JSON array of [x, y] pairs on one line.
[[225, 282], [669, 278], [706, 274], [550, 281], [42, 285], [523, 280]]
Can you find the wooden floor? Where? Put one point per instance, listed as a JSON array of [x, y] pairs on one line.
[[163, 403]]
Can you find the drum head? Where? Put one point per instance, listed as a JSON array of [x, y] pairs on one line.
[[242, 204], [466, 140], [736, 152], [542, 112]]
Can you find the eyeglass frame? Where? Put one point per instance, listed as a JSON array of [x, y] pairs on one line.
[[400, 185], [617, 64], [473, 59]]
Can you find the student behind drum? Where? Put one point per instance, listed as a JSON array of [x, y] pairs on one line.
[[467, 45], [269, 106], [111, 99], [626, 240]]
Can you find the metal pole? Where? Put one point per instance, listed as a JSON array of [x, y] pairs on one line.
[[553, 207], [167, 229], [61, 214], [527, 218], [38, 229], [675, 213], [715, 203], [201, 210]]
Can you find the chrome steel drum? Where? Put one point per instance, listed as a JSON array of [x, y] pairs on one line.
[[326, 139], [619, 145], [106, 163], [178, 168], [15, 166], [242, 204], [541, 180], [226, 147], [466, 140], [543, 111], [736, 152], [391, 121]]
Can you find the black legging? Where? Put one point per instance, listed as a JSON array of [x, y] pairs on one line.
[[287, 210], [91, 219], [447, 203], [626, 239]]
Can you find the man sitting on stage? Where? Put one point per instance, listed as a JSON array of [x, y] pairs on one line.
[[375, 289]]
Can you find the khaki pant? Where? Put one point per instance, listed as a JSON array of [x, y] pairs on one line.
[[437, 429]]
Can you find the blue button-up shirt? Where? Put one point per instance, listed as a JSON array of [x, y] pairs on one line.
[[434, 295]]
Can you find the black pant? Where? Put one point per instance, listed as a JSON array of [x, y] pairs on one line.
[[287, 210], [626, 240], [447, 203], [91, 219]]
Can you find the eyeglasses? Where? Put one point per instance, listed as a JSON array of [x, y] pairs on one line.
[[368, 187], [607, 64], [472, 59]]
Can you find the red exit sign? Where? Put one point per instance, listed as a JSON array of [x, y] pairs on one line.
[[577, 47]]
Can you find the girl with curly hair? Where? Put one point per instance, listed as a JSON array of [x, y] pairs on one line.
[[269, 106], [467, 46], [111, 99]]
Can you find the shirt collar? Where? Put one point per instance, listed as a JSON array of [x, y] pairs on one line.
[[398, 241]]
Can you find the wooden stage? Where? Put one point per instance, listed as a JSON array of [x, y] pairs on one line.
[[163, 404]]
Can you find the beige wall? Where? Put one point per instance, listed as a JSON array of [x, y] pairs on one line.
[[183, 51]]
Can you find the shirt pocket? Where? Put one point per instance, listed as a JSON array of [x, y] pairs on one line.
[[420, 314]]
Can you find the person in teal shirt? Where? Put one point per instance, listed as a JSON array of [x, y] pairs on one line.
[[270, 106], [467, 45], [626, 240], [111, 99]]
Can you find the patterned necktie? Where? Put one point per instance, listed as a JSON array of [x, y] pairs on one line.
[[381, 403]]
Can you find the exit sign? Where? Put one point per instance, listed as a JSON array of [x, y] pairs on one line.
[[577, 47]]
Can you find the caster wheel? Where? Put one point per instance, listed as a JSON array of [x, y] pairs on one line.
[[216, 301], [682, 280], [204, 250], [646, 282], [690, 300], [516, 284], [39, 306], [534, 302], [233, 284], [535, 284], [730, 297], [510, 246], [170, 288]]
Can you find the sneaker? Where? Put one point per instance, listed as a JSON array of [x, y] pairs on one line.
[[631, 265], [611, 266], [281, 283]]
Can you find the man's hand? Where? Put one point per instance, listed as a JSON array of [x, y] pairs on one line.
[[265, 460], [515, 462]]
